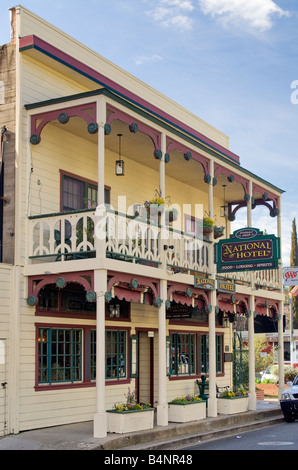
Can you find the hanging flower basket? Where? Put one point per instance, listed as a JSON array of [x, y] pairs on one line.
[[218, 232], [155, 206], [207, 225], [207, 230], [172, 214]]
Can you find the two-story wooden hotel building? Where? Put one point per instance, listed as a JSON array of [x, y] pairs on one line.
[[96, 297]]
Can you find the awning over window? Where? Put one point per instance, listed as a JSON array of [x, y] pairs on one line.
[[261, 309], [225, 305]]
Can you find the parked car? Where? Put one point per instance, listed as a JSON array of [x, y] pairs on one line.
[[271, 373], [289, 401]]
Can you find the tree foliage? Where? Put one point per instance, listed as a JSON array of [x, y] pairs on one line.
[[261, 345]]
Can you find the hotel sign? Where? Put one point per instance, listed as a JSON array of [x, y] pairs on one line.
[[223, 286], [247, 249], [204, 283]]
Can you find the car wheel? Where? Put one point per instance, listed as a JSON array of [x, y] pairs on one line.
[[289, 417]]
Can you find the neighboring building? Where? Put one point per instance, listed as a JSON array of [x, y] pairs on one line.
[[79, 283]]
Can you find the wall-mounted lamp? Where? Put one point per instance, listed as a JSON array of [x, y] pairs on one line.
[[119, 165], [226, 321], [114, 311]]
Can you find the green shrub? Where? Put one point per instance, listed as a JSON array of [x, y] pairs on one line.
[[290, 374]]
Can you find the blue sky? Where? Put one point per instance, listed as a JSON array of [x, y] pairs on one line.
[[230, 62]]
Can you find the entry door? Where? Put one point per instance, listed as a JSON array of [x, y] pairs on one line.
[[146, 368], [3, 385]]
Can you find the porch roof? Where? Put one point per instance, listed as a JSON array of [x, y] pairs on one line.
[[188, 138]]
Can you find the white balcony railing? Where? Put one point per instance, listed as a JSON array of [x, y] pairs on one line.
[[68, 236], [71, 235]]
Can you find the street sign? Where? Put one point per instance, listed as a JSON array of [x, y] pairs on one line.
[[290, 276], [247, 250]]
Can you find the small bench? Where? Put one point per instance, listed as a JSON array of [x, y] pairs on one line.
[[204, 386]]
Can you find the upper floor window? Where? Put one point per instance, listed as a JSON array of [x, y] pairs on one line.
[[79, 193]]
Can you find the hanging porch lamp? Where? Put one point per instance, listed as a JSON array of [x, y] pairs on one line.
[[119, 164], [224, 209]]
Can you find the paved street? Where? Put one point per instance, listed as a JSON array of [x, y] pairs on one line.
[[282, 436]]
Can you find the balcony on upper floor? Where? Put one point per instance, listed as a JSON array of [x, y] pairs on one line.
[[74, 166], [133, 239]]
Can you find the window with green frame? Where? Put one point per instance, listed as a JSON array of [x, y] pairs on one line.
[[187, 348], [116, 354], [203, 353], [59, 355], [78, 193], [182, 354]]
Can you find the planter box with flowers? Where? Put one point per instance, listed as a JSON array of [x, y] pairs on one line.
[[130, 416], [185, 409], [232, 402]]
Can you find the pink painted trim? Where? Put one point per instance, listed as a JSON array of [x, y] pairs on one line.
[[47, 117], [173, 145], [122, 280], [219, 169], [271, 196], [152, 133], [51, 279], [57, 54]]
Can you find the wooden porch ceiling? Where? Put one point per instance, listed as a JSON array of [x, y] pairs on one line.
[[139, 147]]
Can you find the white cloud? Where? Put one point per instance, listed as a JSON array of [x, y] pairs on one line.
[[183, 4], [173, 13], [140, 60], [255, 14]]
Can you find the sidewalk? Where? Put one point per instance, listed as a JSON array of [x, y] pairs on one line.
[[79, 436]]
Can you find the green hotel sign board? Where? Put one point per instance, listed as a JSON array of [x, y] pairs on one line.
[[248, 249]]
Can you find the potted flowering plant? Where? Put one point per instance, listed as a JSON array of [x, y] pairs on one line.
[[230, 402], [172, 213], [187, 408], [158, 204], [155, 205], [207, 225], [218, 231], [130, 416]]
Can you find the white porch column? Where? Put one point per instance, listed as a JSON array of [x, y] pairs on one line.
[[252, 400], [280, 318], [100, 418], [162, 166], [162, 407], [212, 401], [101, 120], [281, 372], [249, 217], [100, 281]]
